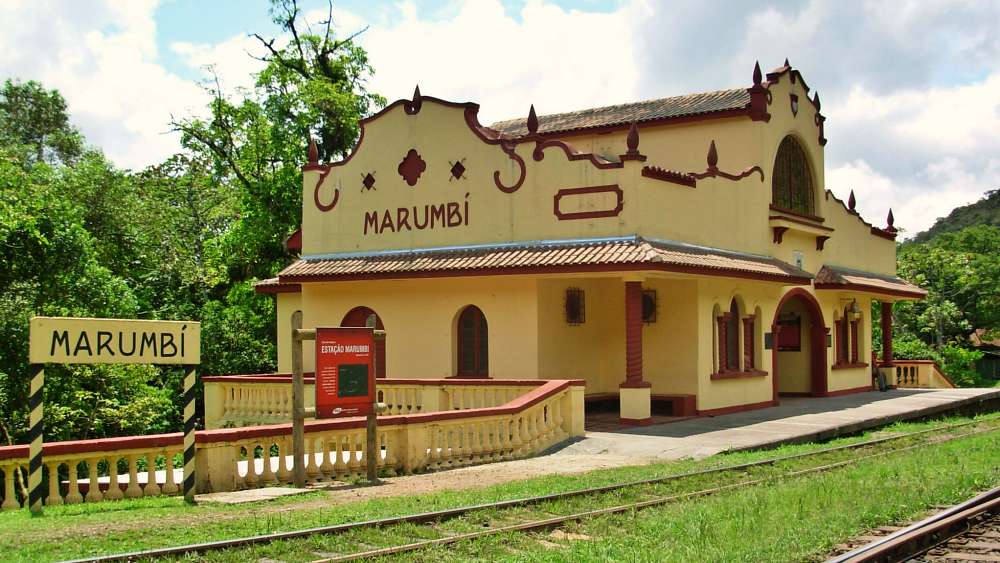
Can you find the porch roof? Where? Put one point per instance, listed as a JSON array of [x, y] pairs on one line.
[[630, 253], [834, 277]]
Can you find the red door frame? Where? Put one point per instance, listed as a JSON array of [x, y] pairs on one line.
[[817, 342]]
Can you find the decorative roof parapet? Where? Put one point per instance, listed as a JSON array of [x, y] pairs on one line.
[[888, 233], [713, 169], [760, 97], [672, 176], [632, 145]]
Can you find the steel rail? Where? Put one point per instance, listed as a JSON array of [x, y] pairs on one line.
[[925, 534], [560, 520], [524, 501]]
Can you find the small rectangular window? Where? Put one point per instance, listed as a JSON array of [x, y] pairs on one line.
[[576, 306], [649, 305]]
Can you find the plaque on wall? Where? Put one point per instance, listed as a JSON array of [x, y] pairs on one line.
[[790, 335]]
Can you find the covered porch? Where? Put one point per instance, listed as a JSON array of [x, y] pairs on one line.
[[636, 319]]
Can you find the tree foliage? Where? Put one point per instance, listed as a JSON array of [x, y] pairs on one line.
[[184, 239]]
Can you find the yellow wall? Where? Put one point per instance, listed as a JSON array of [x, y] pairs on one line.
[[288, 303], [595, 350], [420, 317], [796, 367], [717, 294], [528, 334], [852, 378], [718, 212]]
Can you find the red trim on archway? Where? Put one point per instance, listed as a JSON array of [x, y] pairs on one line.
[[818, 368]]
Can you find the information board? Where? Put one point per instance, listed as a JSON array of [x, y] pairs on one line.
[[345, 377]]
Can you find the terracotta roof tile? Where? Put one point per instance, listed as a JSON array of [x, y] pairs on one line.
[[273, 285], [834, 277], [628, 253], [622, 114]]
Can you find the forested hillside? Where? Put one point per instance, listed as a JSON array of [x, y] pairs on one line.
[[961, 272], [183, 239], [986, 211]]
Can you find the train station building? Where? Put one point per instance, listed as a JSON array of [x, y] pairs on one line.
[[680, 253]]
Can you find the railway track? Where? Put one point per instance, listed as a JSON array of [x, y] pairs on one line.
[[969, 531], [555, 521]]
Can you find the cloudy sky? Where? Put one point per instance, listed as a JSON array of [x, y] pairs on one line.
[[911, 88]]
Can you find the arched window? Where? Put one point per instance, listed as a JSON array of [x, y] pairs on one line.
[[473, 345], [791, 180], [363, 316], [733, 337]]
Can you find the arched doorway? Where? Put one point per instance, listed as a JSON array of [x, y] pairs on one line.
[[363, 316], [799, 357]]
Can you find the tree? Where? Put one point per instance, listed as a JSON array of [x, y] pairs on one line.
[[313, 86], [36, 118], [961, 272]]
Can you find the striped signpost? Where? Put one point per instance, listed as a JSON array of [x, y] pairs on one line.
[[70, 340]]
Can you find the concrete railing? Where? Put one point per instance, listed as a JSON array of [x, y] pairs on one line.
[[920, 374], [231, 459], [245, 400]]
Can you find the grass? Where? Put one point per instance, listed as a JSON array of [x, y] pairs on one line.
[[798, 519], [114, 527]]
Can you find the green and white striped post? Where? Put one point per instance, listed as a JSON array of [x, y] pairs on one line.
[[190, 378], [35, 406]]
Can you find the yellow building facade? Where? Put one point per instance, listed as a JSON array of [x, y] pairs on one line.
[[680, 253]]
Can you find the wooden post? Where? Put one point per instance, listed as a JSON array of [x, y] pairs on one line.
[[298, 410], [371, 448], [372, 452]]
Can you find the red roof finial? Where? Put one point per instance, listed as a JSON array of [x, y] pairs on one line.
[[532, 120], [890, 221], [816, 100], [417, 99], [851, 202], [632, 140], [313, 152], [713, 155], [758, 77]]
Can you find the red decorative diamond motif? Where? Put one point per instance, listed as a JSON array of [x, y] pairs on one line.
[[369, 181], [457, 169], [412, 167]]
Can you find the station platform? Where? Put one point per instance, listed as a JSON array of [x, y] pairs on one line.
[[794, 420]]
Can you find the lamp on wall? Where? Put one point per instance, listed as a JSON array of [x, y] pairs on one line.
[[855, 309]]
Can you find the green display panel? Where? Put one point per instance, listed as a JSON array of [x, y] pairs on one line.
[[352, 380]]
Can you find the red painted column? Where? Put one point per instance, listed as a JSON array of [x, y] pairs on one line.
[[748, 359], [855, 357], [723, 330], [887, 334], [633, 335]]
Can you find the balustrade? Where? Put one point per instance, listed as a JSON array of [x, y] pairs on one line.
[[470, 424], [95, 476]]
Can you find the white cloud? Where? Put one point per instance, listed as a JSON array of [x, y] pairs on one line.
[[102, 57], [234, 61], [911, 122], [922, 151], [553, 58]]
